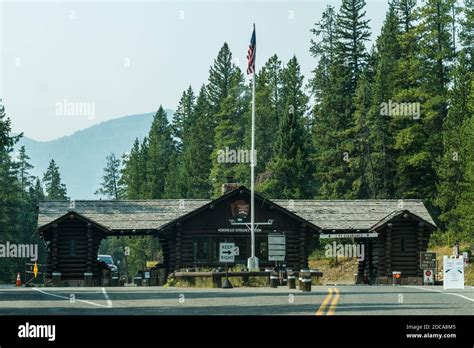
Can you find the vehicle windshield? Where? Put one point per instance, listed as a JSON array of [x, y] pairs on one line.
[[107, 259]]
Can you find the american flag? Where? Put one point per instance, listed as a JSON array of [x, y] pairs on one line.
[[251, 53]]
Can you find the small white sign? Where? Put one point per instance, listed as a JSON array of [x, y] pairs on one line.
[[453, 272], [236, 251], [226, 252], [276, 247], [147, 275], [348, 235]]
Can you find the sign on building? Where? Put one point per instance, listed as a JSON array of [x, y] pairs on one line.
[[227, 251], [348, 235], [427, 260], [453, 272], [276, 247]]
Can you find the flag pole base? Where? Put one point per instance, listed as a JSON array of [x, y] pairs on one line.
[[252, 264], [227, 284]]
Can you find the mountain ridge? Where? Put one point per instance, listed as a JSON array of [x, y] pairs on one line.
[[81, 156]]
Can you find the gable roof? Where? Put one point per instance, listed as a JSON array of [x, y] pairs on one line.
[[353, 214], [157, 214]]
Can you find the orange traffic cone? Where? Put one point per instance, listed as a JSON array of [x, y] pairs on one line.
[[18, 280]]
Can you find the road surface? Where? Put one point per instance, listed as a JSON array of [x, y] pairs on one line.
[[323, 300]]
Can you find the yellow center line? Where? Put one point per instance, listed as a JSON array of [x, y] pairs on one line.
[[332, 308], [325, 303]]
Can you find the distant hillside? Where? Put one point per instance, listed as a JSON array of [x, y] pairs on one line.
[[81, 156]]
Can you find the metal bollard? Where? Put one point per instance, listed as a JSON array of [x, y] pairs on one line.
[[88, 279], [291, 280], [306, 280], [56, 278], [274, 280], [396, 278]]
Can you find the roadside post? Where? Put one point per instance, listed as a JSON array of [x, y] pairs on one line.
[[227, 253], [305, 275], [274, 279], [396, 278], [428, 265], [291, 280], [56, 278], [88, 279]]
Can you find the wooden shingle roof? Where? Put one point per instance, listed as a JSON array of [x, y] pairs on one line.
[[353, 214], [153, 214]]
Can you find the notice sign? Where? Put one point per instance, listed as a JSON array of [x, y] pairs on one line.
[[227, 252], [453, 271], [428, 276], [276, 247], [427, 260]]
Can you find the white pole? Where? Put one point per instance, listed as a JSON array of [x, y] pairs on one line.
[[253, 261], [252, 171]]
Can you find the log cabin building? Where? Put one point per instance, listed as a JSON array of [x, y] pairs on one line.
[[393, 232]]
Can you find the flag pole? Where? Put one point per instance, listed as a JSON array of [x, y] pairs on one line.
[[253, 263]]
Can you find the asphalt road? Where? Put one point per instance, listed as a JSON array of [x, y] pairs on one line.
[[323, 300]]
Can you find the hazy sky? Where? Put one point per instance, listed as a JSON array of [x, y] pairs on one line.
[[126, 57]]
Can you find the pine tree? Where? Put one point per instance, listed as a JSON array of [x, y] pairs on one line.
[[130, 176], [54, 188], [229, 135], [466, 34], [353, 32], [221, 75], [455, 161], [198, 148], [268, 110], [181, 117], [289, 169], [159, 151], [23, 167], [37, 192], [374, 165], [110, 185]]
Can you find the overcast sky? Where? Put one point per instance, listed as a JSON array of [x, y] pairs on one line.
[[127, 57]]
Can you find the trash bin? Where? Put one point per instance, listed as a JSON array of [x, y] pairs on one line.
[[291, 280], [305, 275], [274, 279], [115, 280], [396, 278]]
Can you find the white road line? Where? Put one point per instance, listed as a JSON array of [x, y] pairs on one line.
[[447, 293], [109, 302], [67, 298]]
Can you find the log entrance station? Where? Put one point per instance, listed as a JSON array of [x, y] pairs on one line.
[[190, 230]]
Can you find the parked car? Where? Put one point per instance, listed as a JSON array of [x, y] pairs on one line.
[[109, 261]]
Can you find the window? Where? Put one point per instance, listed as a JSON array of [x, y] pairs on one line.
[[261, 248], [402, 245], [72, 247], [201, 250]]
